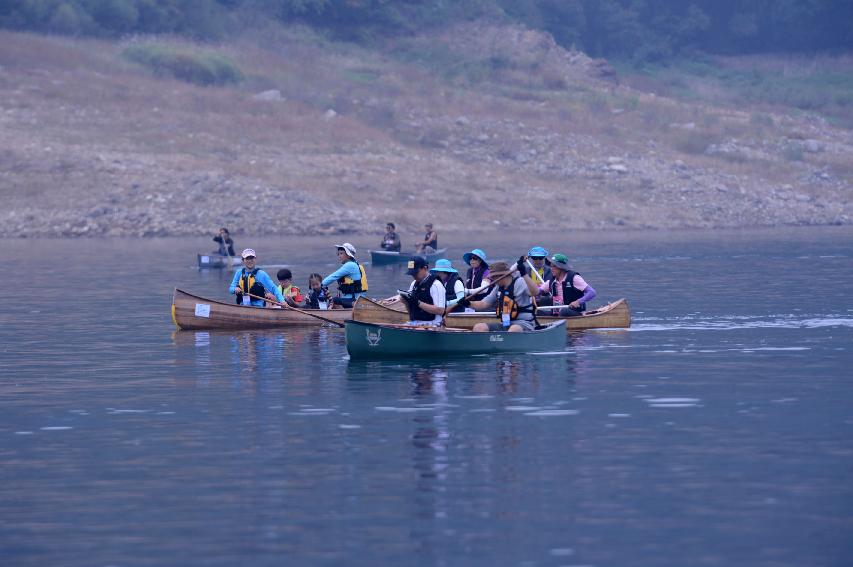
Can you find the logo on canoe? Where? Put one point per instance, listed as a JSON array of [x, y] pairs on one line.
[[373, 338], [496, 338]]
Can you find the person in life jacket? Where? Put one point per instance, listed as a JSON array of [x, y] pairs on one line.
[[478, 274], [511, 297], [569, 290], [250, 280], [430, 241], [318, 295], [426, 296], [391, 241], [290, 292], [454, 289], [351, 277]]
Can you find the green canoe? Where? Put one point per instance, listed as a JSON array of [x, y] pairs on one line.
[[369, 340]]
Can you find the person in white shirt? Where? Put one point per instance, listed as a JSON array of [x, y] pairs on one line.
[[426, 297]]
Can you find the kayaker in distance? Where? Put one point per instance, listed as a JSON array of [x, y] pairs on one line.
[[425, 297], [512, 297], [351, 278], [454, 289], [226, 245], [250, 279], [478, 273], [567, 288], [430, 242], [391, 241], [290, 292]]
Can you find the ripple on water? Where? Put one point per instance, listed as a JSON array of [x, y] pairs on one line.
[[552, 412]]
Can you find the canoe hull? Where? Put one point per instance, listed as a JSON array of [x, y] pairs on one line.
[[215, 261], [371, 341], [613, 315], [192, 312], [383, 257]]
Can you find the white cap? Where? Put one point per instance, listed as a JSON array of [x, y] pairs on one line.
[[248, 252], [348, 248]]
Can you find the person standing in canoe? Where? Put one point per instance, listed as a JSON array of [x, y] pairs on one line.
[[454, 289], [251, 280], [478, 273], [430, 242], [391, 241], [426, 297], [290, 292], [226, 245], [512, 298], [351, 278], [567, 288]]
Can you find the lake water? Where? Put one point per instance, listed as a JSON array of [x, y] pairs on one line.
[[718, 430]]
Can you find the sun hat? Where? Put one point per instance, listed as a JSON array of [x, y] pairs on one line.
[[499, 270], [247, 252], [348, 248], [475, 252], [537, 252], [416, 264], [443, 265], [560, 261]]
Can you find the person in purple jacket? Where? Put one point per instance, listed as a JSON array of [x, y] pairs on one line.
[[567, 288]]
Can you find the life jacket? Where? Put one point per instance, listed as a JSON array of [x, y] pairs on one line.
[[315, 297], [421, 292], [292, 292], [473, 280], [507, 303], [545, 273], [349, 286], [247, 284], [391, 243], [570, 292], [449, 292], [433, 242]]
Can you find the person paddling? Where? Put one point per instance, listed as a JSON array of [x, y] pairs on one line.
[[454, 289], [226, 245], [425, 298], [251, 280], [478, 273], [351, 278], [512, 298], [430, 241], [567, 288]]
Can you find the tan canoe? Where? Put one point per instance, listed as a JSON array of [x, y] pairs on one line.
[[612, 315], [192, 312]]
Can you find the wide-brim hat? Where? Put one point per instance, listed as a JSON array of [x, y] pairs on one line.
[[475, 252], [560, 261], [348, 248], [443, 265], [499, 270]]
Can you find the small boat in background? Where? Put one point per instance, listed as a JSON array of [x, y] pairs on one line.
[[612, 315], [384, 257], [218, 261], [371, 341], [193, 312]]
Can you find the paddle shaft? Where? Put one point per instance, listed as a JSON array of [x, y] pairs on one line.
[[534, 271], [286, 306]]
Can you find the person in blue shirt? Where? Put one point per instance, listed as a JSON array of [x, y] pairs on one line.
[[250, 279], [352, 281]]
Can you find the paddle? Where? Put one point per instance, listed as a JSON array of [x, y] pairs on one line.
[[286, 306], [534, 271]]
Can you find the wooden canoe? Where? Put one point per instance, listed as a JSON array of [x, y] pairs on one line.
[[384, 257], [217, 261], [612, 315], [370, 341], [193, 312]]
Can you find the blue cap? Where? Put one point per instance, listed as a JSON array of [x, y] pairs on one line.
[[415, 264], [443, 265], [538, 252], [475, 252]]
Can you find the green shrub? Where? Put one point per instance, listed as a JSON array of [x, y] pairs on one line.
[[194, 66]]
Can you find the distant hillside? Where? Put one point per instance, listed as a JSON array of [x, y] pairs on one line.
[[476, 125]]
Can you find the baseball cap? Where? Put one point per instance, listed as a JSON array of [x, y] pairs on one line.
[[248, 252], [416, 264]]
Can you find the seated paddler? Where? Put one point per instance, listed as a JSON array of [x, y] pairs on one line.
[[426, 296], [391, 240], [351, 278], [454, 288], [249, 280], [512, 299], [478, 273], [569, 290]]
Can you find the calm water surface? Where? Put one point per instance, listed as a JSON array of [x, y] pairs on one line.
[[718, 430]]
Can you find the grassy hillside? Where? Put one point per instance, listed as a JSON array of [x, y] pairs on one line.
[[480, 125]]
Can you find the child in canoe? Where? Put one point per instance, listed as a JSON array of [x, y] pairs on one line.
[[318, 295], [291, 293]]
